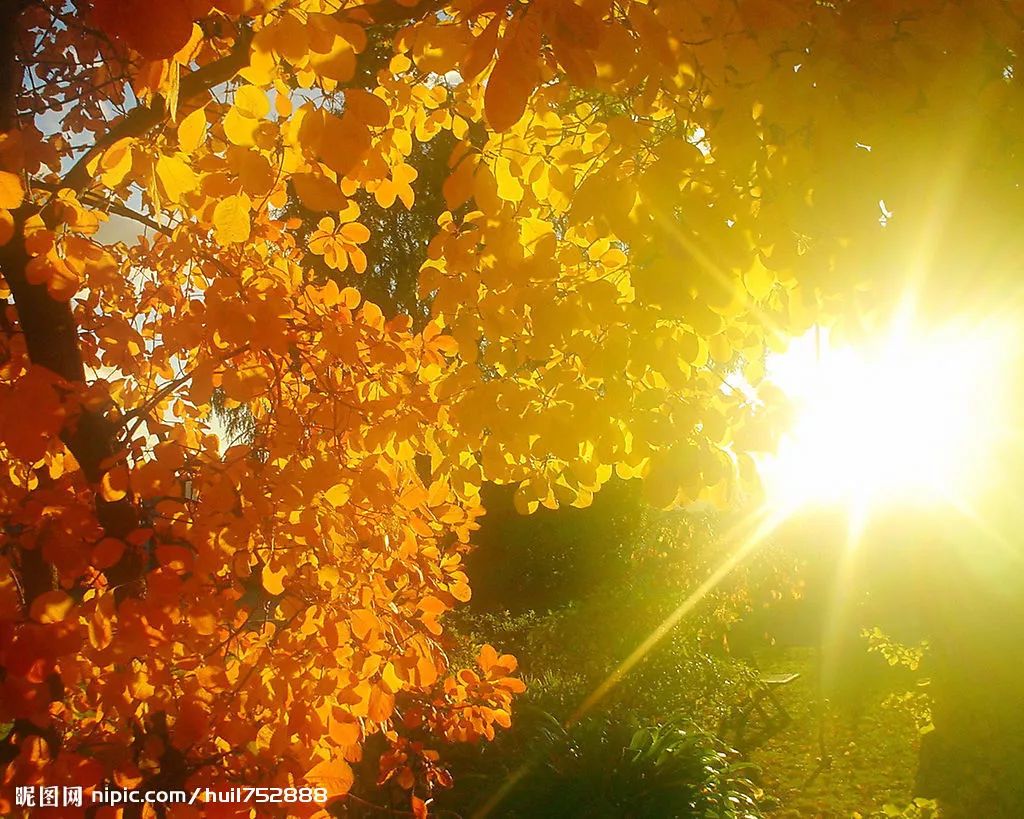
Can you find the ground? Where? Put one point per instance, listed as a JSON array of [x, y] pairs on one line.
[[834, 758]]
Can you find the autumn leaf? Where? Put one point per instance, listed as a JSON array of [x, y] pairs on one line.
[[366, 107], [27, 435], [250, 408], [273, 581], [317, 192], [333, 48], [155, 30], [515, 74], [116, 162], [107, 552], [51, 607], [176, 177], [100, 621], [252, 102], [231, 219], [11, 191], [481, 52], [339, 244], [114, 484], [192, 130], [334, 775], [398, 187]]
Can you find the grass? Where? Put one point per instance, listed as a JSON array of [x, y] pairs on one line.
[[840, 755]]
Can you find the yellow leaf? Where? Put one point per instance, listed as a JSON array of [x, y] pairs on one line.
[[51, 607], [176, 177], [720, 348], [252, 102], [191, 131], [337, 495], [231, 219], [390, 680], [116, 162], [239, 128], [333, 46], [759, 280], [273, 581], [509, 187]]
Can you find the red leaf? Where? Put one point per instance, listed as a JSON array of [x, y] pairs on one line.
[[155, 29]]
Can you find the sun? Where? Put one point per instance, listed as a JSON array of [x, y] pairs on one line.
[[911, 418]]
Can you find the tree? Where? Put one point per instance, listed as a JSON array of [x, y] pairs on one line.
[[642, 198]]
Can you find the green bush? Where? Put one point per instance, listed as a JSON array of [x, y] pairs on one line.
[[603, 767]]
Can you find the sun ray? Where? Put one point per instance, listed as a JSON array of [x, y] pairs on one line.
[[909, 420], [763, 523], [728, 282], [748, 533], [839, 600]]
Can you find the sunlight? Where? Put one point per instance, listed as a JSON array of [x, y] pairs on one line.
[[911, 419]]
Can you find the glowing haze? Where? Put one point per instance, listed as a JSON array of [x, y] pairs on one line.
[[912, 417]]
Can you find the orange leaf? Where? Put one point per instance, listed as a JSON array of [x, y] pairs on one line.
[[335, 775], [11, 191], [107, 552], [514, 76], [458, 187], [482, 50], [28, 434], [366, 107], [203, 621], [51, 607], [99, 625], [273, 581], [114, 484], [318, 192], [6, 226]]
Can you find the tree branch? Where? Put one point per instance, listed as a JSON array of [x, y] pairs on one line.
[[141, 119], [10, 77]]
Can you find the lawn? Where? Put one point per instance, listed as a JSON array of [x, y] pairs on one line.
[[840, 755]]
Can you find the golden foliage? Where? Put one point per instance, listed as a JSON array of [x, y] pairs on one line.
[[642, 199]]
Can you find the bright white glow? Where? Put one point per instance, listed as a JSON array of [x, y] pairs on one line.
[[909, 419]]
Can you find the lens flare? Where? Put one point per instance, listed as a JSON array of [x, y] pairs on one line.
[[909, 419]]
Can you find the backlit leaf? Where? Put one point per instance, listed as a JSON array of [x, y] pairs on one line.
[[231, 219]]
